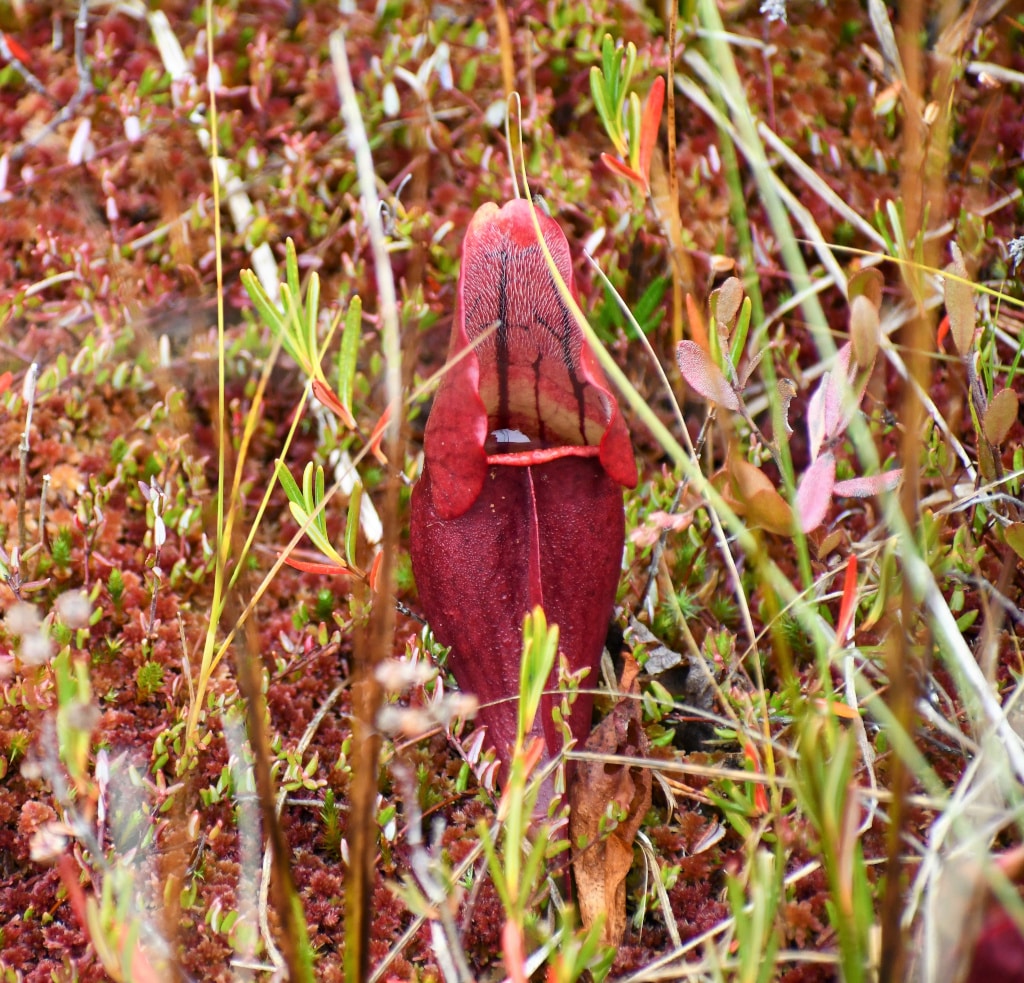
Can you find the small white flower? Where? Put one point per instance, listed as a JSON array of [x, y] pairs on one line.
[[1016, 250], [774, 10]]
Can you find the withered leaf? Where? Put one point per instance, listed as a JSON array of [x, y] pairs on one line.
[[865, 331], [959, 303], [601, 863], [1015, 537], [1000, 415], [752, 494], [728, 298]]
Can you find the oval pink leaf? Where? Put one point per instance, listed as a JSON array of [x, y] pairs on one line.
[[866, 487], [703, 376], [815, 492]]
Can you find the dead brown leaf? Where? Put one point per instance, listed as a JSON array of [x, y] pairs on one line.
[[601, 862]]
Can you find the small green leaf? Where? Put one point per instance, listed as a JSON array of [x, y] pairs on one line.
[[288, 483], [739, 337], [291, 265], [633, 117], [312, 316], [609, 66], [1015, 538], [350, 338], [352, 524], [307, 486], [268, 312], [318, 497], [540, 646]]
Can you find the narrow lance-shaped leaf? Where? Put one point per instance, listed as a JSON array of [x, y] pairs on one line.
[[349, 351], [312, 317], [291, 267], [352, 524], [649, 127], [739, 335]]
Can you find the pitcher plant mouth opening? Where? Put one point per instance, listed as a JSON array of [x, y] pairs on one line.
[[525, 457]]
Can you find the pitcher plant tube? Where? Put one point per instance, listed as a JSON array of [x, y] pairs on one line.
[[525, 458]]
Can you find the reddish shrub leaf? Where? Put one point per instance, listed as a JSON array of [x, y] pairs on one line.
[[826, 418], [703, 376], [815, 492], [727, 299], [866, 487], [867, 283]]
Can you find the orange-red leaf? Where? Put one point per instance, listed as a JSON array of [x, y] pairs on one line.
[[649, 128], [311, 566], [624, 170], [848, 605], [327, 397]]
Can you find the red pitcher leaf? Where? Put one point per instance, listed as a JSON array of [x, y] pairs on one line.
[[815, 492], [525, 457], [1000, 415], [866, 487], [601, 864], [703, 376]]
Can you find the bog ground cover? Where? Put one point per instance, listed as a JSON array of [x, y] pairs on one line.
[[230, 246]]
